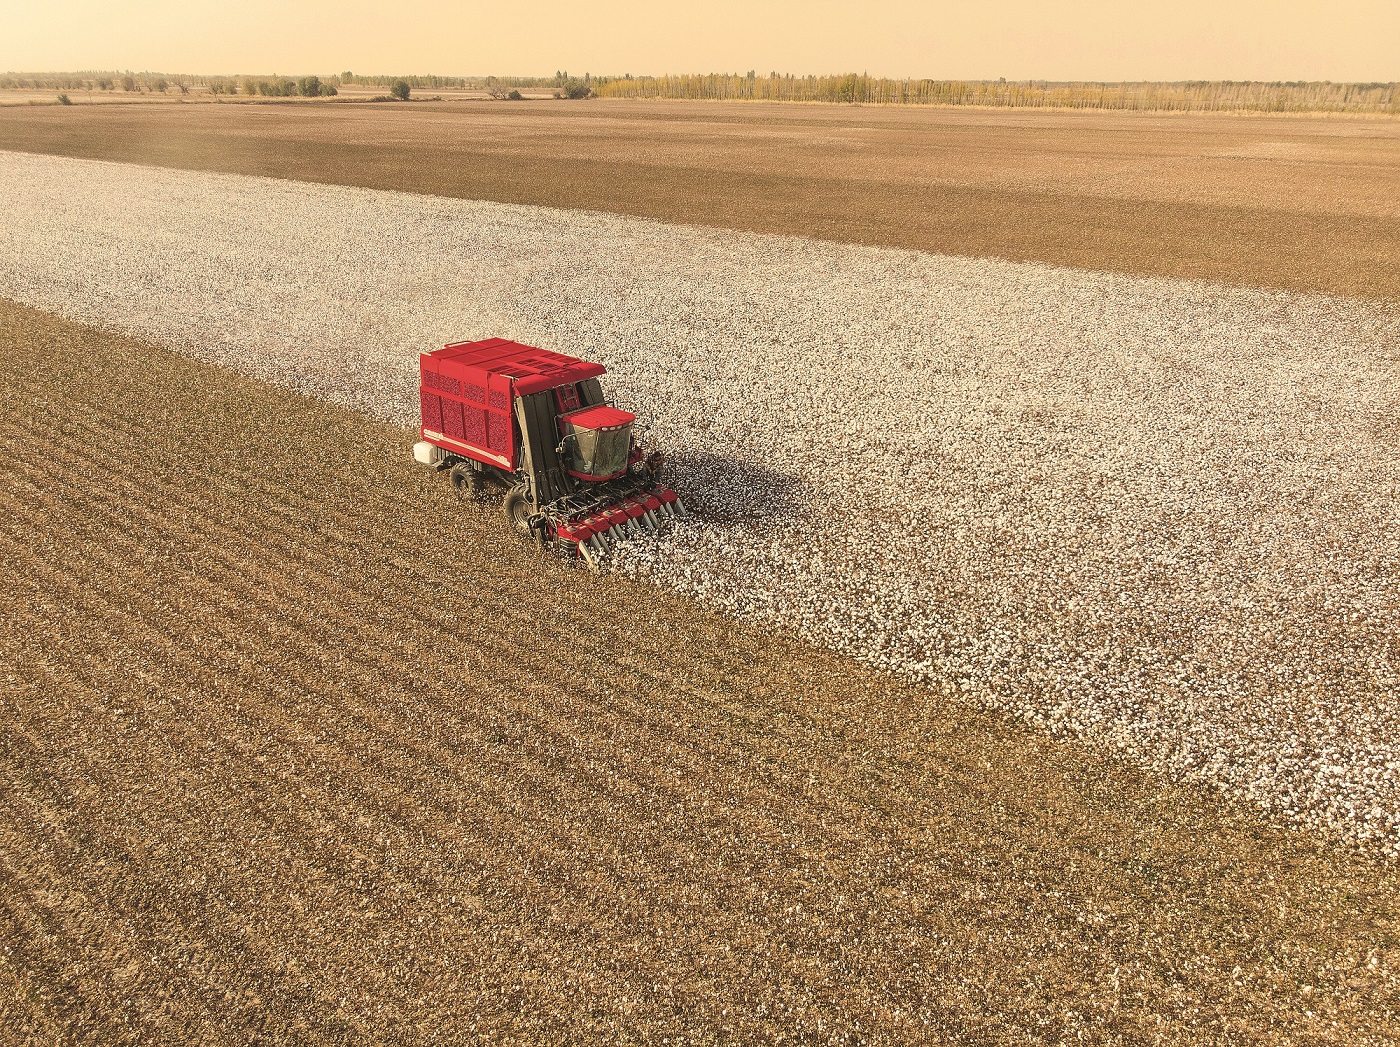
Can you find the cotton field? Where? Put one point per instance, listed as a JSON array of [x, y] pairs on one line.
[[1155, 515]]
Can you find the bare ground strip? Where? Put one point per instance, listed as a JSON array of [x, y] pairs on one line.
[[1299, 203]]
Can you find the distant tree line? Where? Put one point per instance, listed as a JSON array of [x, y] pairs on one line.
[[561, 83], [1184, 96], [277, 87], [131, 82], [160, 83], [851, 88], [461, 83]]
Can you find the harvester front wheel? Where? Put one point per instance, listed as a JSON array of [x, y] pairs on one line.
[[517, 508], [466, 481]]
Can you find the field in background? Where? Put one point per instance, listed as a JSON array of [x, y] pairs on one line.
[[1299, 203], [268, 776]]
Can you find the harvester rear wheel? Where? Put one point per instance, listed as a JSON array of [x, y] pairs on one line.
[[465, 480], [518, 510]]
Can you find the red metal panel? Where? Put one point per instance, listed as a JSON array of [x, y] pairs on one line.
[[502, 434], [601, 417], [452, 418], [531, 368], [432, 410], [539, 382], [474, 425], [468, 392]]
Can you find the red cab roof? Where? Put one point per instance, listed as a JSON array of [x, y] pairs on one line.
[[600, 417], [532, 369]]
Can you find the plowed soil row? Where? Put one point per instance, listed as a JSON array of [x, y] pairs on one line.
[[1301, 203], [297, 747]]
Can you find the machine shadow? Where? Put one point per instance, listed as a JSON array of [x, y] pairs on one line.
[[722, 487]]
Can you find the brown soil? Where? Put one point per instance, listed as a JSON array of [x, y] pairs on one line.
[[298, 748], [1304, 203]]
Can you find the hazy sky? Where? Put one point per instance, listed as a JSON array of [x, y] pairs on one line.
[[1017, 39]]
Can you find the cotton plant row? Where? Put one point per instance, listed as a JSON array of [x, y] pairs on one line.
[[1149, 514]]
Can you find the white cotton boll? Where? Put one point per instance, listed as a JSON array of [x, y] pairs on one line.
[[1153, 514]]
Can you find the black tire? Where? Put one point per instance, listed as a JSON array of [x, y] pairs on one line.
[[518, 511], [466, 481]]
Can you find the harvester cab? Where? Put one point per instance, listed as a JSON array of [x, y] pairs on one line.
[[598, 442], [535, 424]]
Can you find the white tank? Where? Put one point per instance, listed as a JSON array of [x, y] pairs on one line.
[[425, 453]]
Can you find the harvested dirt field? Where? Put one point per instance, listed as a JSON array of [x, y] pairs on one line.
[[1303, 203], [299, 748]]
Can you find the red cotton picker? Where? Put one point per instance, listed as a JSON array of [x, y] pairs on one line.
[[535, 422]]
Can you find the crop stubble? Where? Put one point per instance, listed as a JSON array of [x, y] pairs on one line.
[[1300, 203], [297, 746]]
